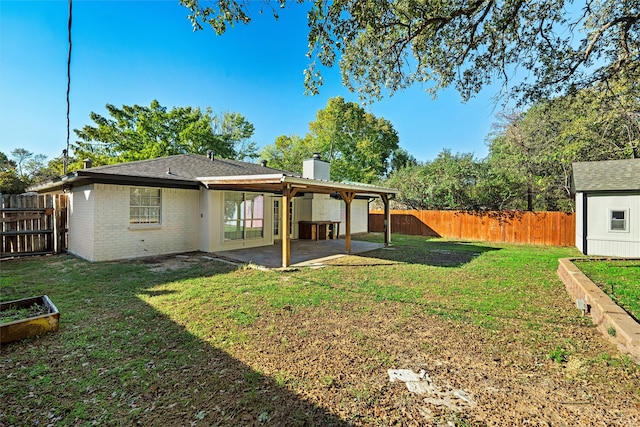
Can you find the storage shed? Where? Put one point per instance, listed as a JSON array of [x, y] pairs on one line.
[[608, 207]]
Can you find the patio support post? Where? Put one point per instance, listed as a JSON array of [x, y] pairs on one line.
[[387, 219], [286, 239], [287, 196], [348, 196]]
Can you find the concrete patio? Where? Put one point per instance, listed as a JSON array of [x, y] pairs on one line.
[[303, 252]]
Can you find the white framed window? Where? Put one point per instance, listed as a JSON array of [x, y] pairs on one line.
[[619, 220], [243, 216], [276, 218], [145, 205]]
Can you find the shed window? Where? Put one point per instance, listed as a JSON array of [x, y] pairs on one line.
[[619, 220], [144, 205]]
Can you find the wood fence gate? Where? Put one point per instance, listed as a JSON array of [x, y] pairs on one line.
[[33, 224]]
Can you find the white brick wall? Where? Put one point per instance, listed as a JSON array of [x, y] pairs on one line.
[[321, 207], [324, 208], [111, 237], [81, 222]]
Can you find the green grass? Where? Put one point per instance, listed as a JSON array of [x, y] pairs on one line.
[[487, 284], [620, 279], [137, 345], [13, 313]]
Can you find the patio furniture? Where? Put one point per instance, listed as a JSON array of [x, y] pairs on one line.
[[319, 230]]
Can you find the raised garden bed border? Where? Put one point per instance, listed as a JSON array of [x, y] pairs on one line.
[[30, 326], [605, 314]]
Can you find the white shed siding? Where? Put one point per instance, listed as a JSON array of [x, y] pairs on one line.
[[81, 222], [613, 248], [579, 222], [115, 238], [600, 239]]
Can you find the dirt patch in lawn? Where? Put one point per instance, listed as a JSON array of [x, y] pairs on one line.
[[474, 378], [163, 263]]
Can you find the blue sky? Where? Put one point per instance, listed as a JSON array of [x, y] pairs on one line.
[[131, 52]]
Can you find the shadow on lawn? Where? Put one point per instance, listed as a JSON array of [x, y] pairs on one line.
[[117, 360], [427, 252]]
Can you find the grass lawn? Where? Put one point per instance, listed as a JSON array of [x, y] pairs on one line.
[[193, 341], [620, 279]]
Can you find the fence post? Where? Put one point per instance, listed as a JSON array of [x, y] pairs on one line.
[[56, 224]]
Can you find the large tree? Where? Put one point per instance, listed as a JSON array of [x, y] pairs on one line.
[[450, 181], [288, 152], [536, 147], [21, 169], [386, 45], [140, 132], [360, 146], [10, 182]]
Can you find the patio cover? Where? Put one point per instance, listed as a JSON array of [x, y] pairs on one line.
[[289, 186]]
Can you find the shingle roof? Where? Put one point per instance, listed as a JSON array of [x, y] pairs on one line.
[[607, 175], [190, 171], [185, 167], [180, 171]]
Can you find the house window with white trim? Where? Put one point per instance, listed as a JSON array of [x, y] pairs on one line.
[[144, 205], [243, 216], [619, 220], [277, 218]]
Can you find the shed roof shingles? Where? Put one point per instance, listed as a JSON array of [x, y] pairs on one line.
[[607, 175]]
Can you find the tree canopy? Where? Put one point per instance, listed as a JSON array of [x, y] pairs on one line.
[[537, 147], [451, 181], [530, 155], [288, 152], [140, 132], [359, 145], [383, 46], [21, 169]]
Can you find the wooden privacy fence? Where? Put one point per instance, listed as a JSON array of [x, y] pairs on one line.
[[33, 224], [539, 228]]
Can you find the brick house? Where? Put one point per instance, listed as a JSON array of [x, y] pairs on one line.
[[192, 202]]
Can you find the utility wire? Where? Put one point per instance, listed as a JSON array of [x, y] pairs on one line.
[[66, 152]]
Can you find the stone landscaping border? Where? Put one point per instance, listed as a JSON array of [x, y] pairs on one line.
[[611, 320]]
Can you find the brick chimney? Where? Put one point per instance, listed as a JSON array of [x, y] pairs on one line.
[[316, 168]]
